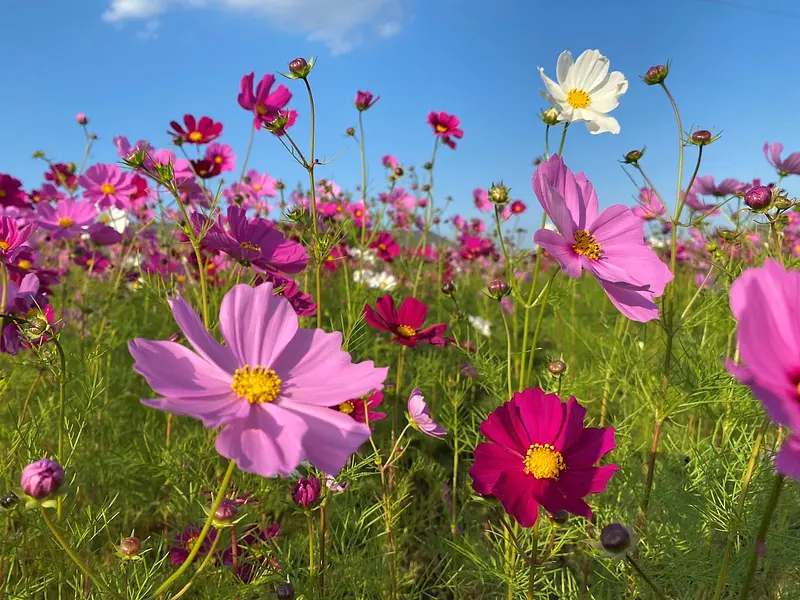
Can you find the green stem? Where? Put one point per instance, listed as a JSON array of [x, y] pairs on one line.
[[539, 321], [508, 352], [428, 218], [761, 537], [528, 306], [621, 323], [563, 139], [656, 590], [509, 272], [311, 565], [246, 157], [223, 487], [310, 167], [323, 514], [363, 148], [532, 561], [398, 381], [62, 401], [200, 569]]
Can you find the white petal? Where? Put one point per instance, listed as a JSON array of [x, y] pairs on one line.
[[583, 67], [600, 123], [563, 66], [552, 87]]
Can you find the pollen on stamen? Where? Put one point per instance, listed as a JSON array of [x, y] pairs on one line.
[[261, 109], [4, 245], [406, 331], [65, 222], [347, 407], [256, 385], [441, 128], [195, 136], [586, 245], [249, 246], [107, 188], [543, 461], [578, 98]]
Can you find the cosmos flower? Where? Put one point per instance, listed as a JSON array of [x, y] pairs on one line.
[[585, 91], [385, 246], [67, 219], [609, 245], [264, 103], [197, 132], [11, 192], [787, 166], [445, 126], [650, 206], [481, 198], [540, 453], [221, 155], [365, 100], [405, 324], [704, 185], [359, 408], [185, 541], [13, 238], [107, 185], [419, 415], [482, 326], [764, 303], [269, 388]]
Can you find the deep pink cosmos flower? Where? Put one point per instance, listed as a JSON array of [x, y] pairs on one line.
[[787, 166], [256, 241], [206, 169], [390, 162], [11, 192], [107, 185], [93, 261], [704, 186], [62, 175], [365, 100], [13, 238], [197, 132], [385, 246], [221, 155], [609, 245], [405, 325], [185, 541], [540, 453], [419, 415], [445, 126], [302, 303], [481, 198], [764, 303], [650, 206], [360, 408], [270, 387], [264, 104], [517, 207], [67, 219]]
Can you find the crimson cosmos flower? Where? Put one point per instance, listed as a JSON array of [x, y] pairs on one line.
[[406, 323], [197, 132]]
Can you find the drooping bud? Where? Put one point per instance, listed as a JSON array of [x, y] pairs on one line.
[[306, 491], [615, 538], [42, 479], [656, 74], [758, 197], [448, 288], [498, 194], [557, 367], [427, 166], [549, 116], [130, 547], [284, 591], [498, 289]]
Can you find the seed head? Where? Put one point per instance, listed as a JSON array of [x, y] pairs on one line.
[[498, 194], [615, 538], [448, 288]]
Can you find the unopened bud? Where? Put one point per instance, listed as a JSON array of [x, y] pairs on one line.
[[399, 171], [426, 188], [298, 66], [703, 137], [306, 491], [498, 194], [557, 367], [550, 116], [448, 288], [758, 197], [615, 538], [278, 122], [9, 500], [226, 512], [656, 75], [560, 516], [81, 119], [633, 157], [284, 591], [498, 289], [427, 166], [130, 546], [351, 131]]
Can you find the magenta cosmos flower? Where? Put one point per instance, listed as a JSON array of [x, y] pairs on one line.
[[650, 206], [221, 155], [13, 238], [365, 100], [764, 302], [787, 166], [361, 408], [270, 387], [11, 192], [704, 186], [419, 415], [107, 185], [197, 132], [385, 246], [265, 104], [445, 126], [256, 241], [540, 453], [66, 219], [609, 245], [406, 325]]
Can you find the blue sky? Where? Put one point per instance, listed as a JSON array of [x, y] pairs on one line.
[[134, 65]]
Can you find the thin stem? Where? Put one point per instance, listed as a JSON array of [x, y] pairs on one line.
[[223, 487], [651, 468], [621, 323], [428, 218], [563, 139], [761, 537], [310, 167], [508, 352], [62, 401], [533, 562], [398, 381], [247, 156], [311, 565], [200, 569], [323, 515], [776, 240], [528, 305], [71, 553], [509, 273], [539, 321], [363, 148], [656, 590]]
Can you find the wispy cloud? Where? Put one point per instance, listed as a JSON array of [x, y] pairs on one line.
[[340, 24], [149, 31]]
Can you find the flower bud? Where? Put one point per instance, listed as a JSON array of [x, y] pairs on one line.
[[279, 185], [81, 119], [557, 367], [537, 161], [448, 288], [758, 197], [703, 137], [9, 500], [615, 538], [498, 194], [633, 157], [226, 512], [467, 370], [284, 591], [306, 491], [278, 122], [130, 546], [351, 131], [399, 171], [550, 116], [42, 479], [498, 289], [426, 188], [656, 75], [560, 516], [298, 66], [427, 166]]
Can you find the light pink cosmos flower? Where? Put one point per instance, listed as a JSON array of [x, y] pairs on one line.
[[390, 162], [764, 303], [67, 219], [107, 185], [704, 185], [481, 199], [650, 206], [270, 387], [221, 155], [609, 245], [419, 415], [787, 166]]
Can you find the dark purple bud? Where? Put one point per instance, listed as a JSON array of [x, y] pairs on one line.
[[298, 65], [9, 500], [758, 197], [448, 288], [426, 188], [633, 157], [226, 512], [399, 171], [656, 74], [42, 479], [537, 161], [427, 166], [468, 370], [557, 367], [498, 289], [351, 131], [560, 516], [701, 137], [280, 185], [130, 546], [615, 537], [306, 491], [284, 591]]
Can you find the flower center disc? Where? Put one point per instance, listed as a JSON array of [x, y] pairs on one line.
[[586, 244], [195, 136], [441, 128], [406, 331], [4, 245], [65, 222], [578, 98], [107, 188], [347, 407], [249, 246], [543, 462], [257, 385]]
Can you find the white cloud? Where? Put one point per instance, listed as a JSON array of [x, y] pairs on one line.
[[340, 24], [150, 30]]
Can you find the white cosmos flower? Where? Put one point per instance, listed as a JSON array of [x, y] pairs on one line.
[[585, 91], [116, 218], [385, 281], [482, 326], [370, 256]]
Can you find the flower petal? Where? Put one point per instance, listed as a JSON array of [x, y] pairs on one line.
[[199, 337]]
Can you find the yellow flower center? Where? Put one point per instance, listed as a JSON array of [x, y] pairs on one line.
[[24, 264], [406, 331], [543, 462], [90, 262], [4, 245], [257, 385], [195, 136], [257, 187], [250, 246], [347, 407], [189, 544], [107, 188], [104, 219], [218, 160], [441, 128], [65, 222], [579, 98], [181, 278], [3, 193], [382, 247], [36, 199], [359, 212], [261, 109], [586, 244], [330, 258]]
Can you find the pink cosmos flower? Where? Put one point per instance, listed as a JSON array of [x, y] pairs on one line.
[[385, 246], [93, 261], [62, 175], [13, 238], [11, 192], [694, 202], [264, 104], [405, 325], [47, 193], [125, 150], [650, 206], [197, 132], [517, 207], [609, 245], [270, 387], [787, 166], [221, 155], [764, 303], [365, 100], [481, 199], [389, 161], [360, 408], [419, 415], [704, 186], [184, 543], [67, 219], [540, 453], [107, 185], [445, 126], [262, 184]]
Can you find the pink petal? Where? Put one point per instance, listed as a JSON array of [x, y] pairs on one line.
[[572, 429], [562, 251], [504, 427], [412, 313], [491, 461], [202, 342], [542, 414], [582, 482], [593, 445], [788, 460], [514, 490], [631, 302]]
